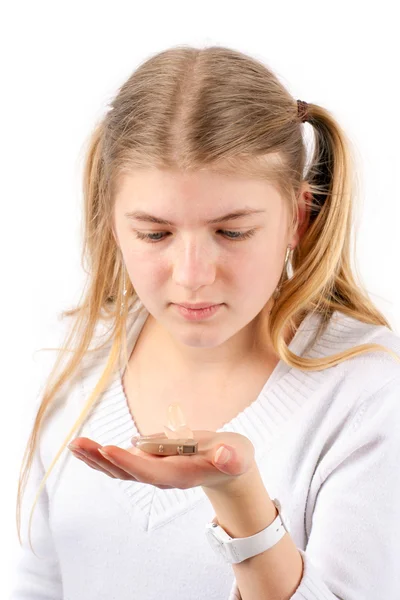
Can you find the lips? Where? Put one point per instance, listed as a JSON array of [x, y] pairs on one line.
[[197, 306]]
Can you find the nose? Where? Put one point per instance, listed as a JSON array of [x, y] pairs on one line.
[[194, 265]]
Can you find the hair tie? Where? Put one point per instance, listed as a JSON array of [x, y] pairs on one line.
[[302, 110]]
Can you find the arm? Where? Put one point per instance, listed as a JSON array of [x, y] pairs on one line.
[[243, 510], [36, 578], [354, 539]]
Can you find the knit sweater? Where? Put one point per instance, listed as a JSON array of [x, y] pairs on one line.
[[327, 445]]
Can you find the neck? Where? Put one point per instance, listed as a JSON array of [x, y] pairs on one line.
[[215, 363]]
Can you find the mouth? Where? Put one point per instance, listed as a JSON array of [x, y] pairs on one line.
[[198, 306], [198, 314]]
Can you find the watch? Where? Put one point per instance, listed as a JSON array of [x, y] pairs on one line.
[[236, 550]]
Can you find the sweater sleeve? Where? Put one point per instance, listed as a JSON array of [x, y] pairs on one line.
[[36, 578], [354, 545]]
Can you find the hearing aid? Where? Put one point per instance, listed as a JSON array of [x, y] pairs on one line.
[[178, 437]]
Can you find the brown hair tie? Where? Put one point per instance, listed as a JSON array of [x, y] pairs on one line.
[[302, 110]]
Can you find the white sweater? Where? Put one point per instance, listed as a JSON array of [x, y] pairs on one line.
[[327, 445]]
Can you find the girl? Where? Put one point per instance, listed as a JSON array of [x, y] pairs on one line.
[[219, 266]]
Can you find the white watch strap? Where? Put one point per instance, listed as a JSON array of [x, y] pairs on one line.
[[236, 550]]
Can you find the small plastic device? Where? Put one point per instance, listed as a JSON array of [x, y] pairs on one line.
[[178, 437]]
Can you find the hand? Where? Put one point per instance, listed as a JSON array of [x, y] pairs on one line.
[[178, 471]]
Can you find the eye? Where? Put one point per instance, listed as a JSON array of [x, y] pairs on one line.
[[236, 235]]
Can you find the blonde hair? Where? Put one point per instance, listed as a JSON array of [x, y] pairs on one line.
[[212, 108]]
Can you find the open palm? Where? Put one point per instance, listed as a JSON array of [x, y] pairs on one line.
[[177, 471]]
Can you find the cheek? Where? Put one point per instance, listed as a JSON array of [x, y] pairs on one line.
[[145, 271], [261, 273]]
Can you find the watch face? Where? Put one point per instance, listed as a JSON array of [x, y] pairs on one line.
[[213, 533], [282, 514], [214, 542]]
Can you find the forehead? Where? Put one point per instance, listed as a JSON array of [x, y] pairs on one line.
[[142, 189]]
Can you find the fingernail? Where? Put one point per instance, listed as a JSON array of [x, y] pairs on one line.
[[134, 440], [104, 453], [222, 455], [74, 448], [80, 453]]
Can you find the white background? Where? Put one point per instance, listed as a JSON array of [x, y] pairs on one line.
[[63, 61]]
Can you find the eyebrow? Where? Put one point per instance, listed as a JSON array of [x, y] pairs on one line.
[[237, 214]]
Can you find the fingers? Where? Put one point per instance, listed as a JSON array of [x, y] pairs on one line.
[[104, 466]]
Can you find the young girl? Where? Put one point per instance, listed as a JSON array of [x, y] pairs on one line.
[[219, 267]]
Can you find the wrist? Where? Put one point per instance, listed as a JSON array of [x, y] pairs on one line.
[[243, 506], [236, 486]]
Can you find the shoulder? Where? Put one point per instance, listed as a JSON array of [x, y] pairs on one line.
[[372, 369], [362, 394]]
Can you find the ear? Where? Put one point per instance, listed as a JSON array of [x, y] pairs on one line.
[[303, 211]]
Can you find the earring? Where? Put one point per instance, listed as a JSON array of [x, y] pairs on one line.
[[288, 251], [124, 290], [277, 291]]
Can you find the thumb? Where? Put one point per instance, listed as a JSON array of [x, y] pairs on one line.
[[227, 460]]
